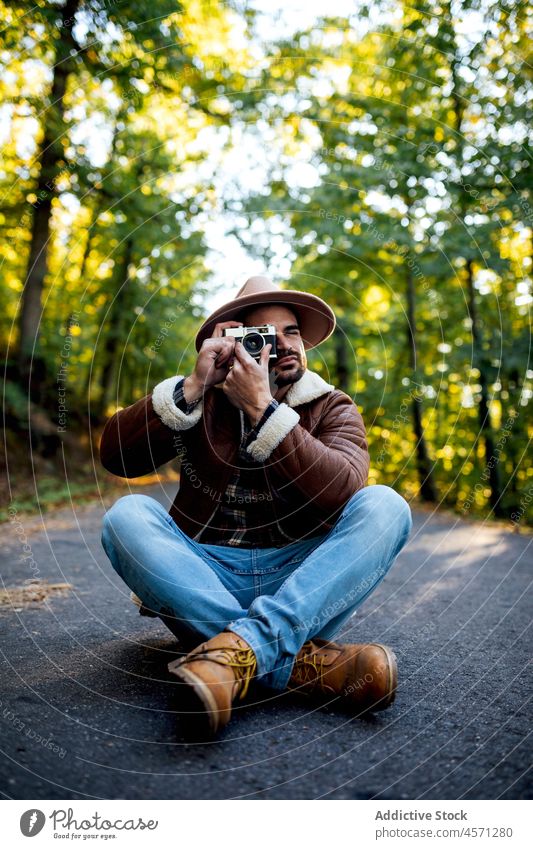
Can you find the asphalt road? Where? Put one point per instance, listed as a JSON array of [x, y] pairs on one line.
[[87, 709]]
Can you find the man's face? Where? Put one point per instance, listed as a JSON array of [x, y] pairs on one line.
[[291, 362]]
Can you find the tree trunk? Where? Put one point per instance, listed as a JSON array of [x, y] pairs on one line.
[[49, 157], [492, 462], [113, 332], [512, 442], [97, 209], [491, 470], [342, 369], [428, 490]]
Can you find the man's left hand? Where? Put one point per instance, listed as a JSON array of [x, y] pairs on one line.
[[247, 385]]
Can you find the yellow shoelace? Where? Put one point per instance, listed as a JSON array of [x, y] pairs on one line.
[[243, 662], [308, 669]]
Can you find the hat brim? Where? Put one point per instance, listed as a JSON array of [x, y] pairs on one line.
[[316, 318]]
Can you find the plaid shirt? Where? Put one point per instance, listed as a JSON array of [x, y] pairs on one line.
[[246, 515]]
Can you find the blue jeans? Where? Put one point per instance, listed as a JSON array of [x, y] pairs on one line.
[[275, 598]]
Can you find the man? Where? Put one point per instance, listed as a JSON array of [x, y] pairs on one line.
[[273, 539]]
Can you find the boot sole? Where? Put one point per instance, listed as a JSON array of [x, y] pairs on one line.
[[197, 708], [392, 666]]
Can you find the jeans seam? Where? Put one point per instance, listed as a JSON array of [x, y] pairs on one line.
[[294, 571], [197, 548]]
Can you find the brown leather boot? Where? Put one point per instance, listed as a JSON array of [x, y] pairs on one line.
[[364, 676], [216, 673]]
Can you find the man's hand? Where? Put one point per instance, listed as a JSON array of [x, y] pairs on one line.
[[247, 385], [213, 363]]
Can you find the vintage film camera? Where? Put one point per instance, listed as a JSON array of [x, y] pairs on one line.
[[254, 339]]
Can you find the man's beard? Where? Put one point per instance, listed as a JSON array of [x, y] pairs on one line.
[[284, 377]]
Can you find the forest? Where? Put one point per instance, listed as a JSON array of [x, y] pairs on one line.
[[155, 155]]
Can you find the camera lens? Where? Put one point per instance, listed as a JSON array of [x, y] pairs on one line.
[[253, 343]]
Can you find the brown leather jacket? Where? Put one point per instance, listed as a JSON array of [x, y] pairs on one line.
[[313, 448]]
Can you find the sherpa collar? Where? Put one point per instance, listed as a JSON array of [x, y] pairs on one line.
[[308, 388]]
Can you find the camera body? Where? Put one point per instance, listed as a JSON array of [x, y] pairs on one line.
[[254, 339]]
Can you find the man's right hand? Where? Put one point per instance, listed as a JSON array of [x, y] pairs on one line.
[[214, 360]]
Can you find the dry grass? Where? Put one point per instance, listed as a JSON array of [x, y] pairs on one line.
[[32, 594]]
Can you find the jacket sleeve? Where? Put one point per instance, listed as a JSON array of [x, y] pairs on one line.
[[140, 438], [328, 467]]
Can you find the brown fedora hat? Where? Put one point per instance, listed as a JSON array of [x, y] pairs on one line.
[[316, 318]]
